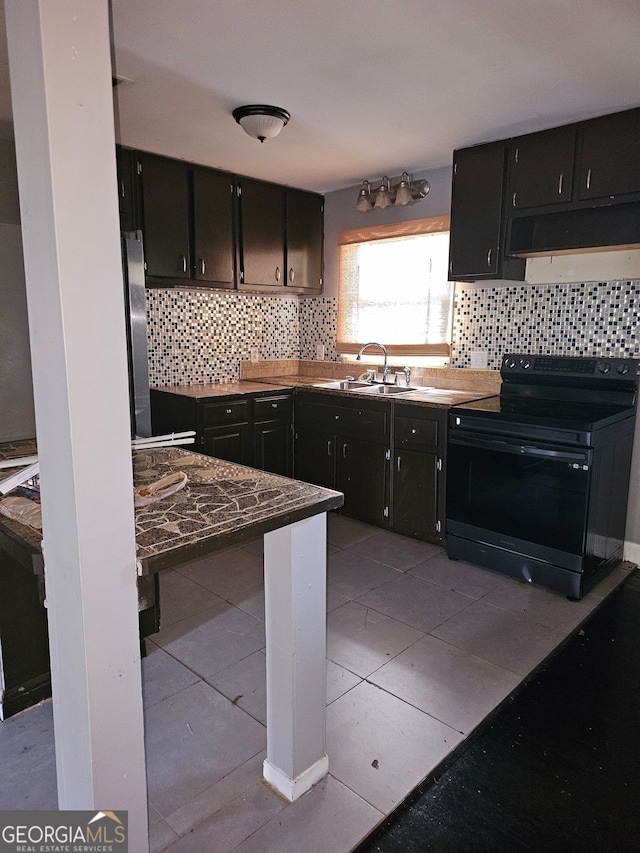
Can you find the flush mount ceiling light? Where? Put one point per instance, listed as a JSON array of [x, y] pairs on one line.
[[404, 192], [261, 120]]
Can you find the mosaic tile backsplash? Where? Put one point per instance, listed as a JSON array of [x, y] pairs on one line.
[[200, 336], [596, 318]]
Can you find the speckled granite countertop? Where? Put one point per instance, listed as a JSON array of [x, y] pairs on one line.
[[222, 504], [224, 389], [434, 397]]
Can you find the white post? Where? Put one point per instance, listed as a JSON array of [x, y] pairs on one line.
[[60, 67], [295, 565]]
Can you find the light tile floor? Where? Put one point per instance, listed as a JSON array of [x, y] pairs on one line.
[[420, 649]]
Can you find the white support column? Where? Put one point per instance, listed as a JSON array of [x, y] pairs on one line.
[[295, 567], [60, 67]]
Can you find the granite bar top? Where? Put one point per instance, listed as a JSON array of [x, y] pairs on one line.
[[222, 504]]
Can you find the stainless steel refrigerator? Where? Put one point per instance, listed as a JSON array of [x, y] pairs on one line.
[[135, 306]]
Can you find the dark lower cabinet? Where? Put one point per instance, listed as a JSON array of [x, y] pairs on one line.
[[249, 429], [415, 494], [345, 446], [273, 447], [361, 474], [25, 677], [232, 443], [418, 476], [24, 642]]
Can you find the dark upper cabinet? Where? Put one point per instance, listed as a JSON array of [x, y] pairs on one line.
[[262, 233], [213, 212], [304, 240], [281, 237], [477, 215], [541, 168], [127, 198], [610, 156], [165, 216]]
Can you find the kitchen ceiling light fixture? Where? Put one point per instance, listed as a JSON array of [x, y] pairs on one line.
[[261, 120], [404, 192]]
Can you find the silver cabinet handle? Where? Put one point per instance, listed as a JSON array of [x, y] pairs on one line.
[[588, 179], [344, 450], [184, 263], [398, 463], [277, 273], [489, 253], [203, 266], [122, 188], [560, 179], [292, 274], [329, 448], [513, 200]]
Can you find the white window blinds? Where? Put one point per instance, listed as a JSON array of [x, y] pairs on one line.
[[394, 288]]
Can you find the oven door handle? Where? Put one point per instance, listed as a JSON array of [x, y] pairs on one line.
[[502, 445]]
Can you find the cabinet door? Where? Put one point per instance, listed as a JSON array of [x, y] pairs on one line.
[[262, 210], [232, 443], [315, 457], [361, 469], [477, 227], [610, 156], [24, 644], [415, 495], [125, 164], [272, 447], [304, 239], [542, 168], [165, 210], [213, 226]]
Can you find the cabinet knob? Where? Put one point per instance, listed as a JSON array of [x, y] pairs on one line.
[[414, 431], [274, 405], [292, 274], [277, 273], [229, 411]]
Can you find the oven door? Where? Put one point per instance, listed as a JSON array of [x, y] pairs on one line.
[[522, 496]]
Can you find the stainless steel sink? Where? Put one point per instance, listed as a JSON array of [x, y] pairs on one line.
[[388, 389], [344, 385]]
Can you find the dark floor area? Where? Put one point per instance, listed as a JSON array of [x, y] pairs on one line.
[[556, 769]]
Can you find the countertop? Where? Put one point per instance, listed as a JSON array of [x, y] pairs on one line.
[[223, 503], [434, 397]]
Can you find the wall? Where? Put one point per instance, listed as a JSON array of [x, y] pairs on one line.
[[16, 389]]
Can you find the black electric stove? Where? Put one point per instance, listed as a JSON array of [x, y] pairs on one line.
[[537, 477]]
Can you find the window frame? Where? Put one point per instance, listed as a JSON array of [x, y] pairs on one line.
[[407, 228]]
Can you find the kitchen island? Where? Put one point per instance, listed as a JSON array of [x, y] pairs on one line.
[[223, 504]]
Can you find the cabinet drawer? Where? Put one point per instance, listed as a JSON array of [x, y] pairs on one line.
[[416, 431], [370, 424], [229, 412], [272, 408]]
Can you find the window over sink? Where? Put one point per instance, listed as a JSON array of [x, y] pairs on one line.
[[394, 288]]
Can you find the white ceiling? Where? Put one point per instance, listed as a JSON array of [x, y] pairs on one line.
[[373, 86]]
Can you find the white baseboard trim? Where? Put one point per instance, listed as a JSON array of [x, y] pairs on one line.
[[290, 788], [632, 552]]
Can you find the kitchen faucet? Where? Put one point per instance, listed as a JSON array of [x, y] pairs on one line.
[[384, 350]]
